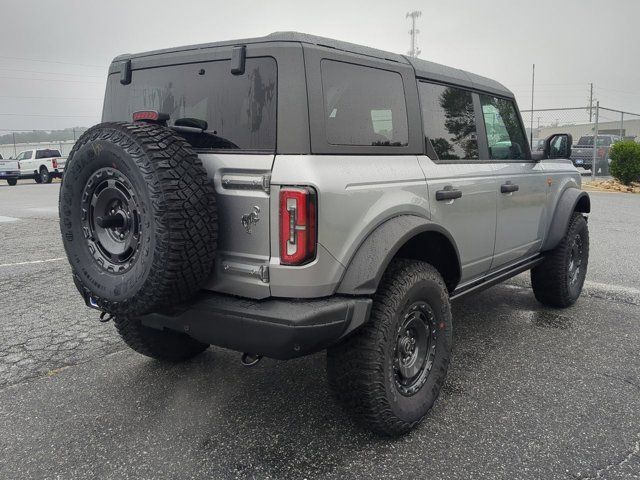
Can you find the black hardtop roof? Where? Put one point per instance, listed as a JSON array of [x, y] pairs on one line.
[[423, 68]]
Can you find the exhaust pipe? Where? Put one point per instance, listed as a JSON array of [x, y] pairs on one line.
[[250, 359]]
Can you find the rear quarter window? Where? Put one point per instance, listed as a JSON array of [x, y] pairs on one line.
[[240, 110], [363, 105]]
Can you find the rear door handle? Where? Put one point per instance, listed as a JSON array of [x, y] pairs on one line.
[[448, 193], [509, 187]]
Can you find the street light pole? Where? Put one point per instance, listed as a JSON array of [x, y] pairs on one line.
[[533, 81]]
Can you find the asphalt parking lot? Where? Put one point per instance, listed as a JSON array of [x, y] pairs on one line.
[[533, 393]]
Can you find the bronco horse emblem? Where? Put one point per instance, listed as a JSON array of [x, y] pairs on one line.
[[251, 219]]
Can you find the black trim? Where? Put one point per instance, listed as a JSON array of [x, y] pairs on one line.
[[276, 328], [496, 277]]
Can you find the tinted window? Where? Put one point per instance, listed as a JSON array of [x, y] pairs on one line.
[[47, 153], [505, 137], [449, 122], [26, 155], [363, 105], [240, 110]]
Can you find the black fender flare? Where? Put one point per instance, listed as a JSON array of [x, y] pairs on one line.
[[572, 199], [373, 256]]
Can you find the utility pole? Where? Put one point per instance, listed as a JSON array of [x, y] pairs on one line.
[[415, 51], [15, 152], [533, 82], [591, 103]]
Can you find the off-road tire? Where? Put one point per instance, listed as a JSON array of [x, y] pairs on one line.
[[37, 178], [551, 280], [12, 181], [176, 217], [45, 176], [361, 368], [159, 344]]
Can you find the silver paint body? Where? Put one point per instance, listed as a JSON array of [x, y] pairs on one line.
[[356, 194]]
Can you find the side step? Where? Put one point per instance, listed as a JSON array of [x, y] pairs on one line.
[[496, 277]]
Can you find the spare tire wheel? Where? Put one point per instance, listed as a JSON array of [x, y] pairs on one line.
[[138, 218]]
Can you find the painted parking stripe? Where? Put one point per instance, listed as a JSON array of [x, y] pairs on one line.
[[8, 219], [48, 260]]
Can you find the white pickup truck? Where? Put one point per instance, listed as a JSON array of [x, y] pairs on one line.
[[41, 164], [9, 171]]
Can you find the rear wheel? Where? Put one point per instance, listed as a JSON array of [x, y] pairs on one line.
[[158, 344], [558, 280], [37, 178], [390, 371], [12, 181], [45, 176]]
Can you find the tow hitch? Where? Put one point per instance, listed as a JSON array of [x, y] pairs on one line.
[[249, 359]]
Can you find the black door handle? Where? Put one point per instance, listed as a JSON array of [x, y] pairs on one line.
[[448, 193], [509, 187]]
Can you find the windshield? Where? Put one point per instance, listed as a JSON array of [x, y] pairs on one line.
[[603, 141], [239, 110]]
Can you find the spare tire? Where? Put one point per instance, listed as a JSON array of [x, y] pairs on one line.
[[138, 218]]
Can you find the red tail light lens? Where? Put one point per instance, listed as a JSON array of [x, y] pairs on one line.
[[54, 163], [149, 116], [298, 220], [601, 152]]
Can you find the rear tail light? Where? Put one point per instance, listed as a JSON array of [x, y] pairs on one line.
[[54, 163], [601, 152], [149, 116], [298, 221]]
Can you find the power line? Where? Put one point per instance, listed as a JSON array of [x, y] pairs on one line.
[[52, 73], [54, 61], [52, 98], [52, 80], [47, 115]]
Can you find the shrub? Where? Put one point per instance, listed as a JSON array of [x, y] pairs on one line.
[[625, 161]]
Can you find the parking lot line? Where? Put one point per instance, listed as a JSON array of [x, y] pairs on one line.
[[31, 262]]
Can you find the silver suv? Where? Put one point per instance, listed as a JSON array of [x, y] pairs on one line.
[[289, 194]]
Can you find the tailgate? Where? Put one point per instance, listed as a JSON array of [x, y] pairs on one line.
[[242, 184]]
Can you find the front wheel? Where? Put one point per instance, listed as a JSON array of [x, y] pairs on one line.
[[389, 372], [558, 280]]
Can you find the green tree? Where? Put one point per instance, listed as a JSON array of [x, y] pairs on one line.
[[625, 161]]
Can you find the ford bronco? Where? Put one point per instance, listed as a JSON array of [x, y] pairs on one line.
[[288, 194]]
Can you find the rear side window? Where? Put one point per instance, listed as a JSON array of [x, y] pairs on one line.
[[363, 105], [505, 137], [449, 122], [240, 110], [47, 153]]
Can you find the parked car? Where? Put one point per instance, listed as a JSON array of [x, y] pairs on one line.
[[582, 152], [348, 221], [41, 164], [9, 171]]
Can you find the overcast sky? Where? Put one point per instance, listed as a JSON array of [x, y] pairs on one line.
[[54, 53]]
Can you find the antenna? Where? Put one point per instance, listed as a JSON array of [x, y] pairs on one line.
[[415, 51]]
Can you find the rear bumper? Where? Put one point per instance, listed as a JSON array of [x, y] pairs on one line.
[[8, 175], [276, 328]]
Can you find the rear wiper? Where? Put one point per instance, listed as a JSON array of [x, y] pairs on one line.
[[195, 132]]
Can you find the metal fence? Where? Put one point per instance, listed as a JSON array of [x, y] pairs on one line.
[[604, 124], [12, 143]]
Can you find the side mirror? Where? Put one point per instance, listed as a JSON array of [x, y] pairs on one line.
[[558, 145]]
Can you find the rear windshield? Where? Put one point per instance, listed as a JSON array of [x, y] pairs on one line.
[[588, 141], [240, 110], [47, 153]]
